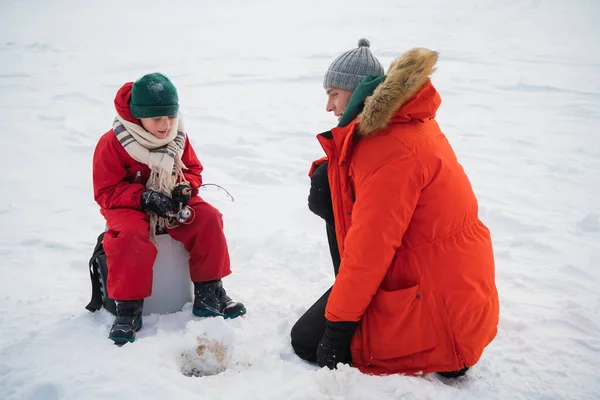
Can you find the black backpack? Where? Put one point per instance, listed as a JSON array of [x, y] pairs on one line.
[[99, 277]]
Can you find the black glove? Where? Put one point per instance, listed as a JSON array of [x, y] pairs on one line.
[[319, 197], [182, 193], [334, 346], [159, 203]]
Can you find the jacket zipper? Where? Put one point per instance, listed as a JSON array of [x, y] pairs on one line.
[[459, 356], [333, 161]]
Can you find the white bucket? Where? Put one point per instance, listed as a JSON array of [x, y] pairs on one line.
[[172, 287]]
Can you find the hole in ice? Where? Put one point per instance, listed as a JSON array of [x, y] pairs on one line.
[[209, 357]]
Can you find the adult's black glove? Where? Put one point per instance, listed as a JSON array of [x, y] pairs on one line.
[[334, 346], [319, 196], [182, 193], [158, 203]]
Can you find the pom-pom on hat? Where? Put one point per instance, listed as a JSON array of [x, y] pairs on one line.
[[352, 66]]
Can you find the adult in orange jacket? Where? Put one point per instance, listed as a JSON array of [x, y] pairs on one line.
[[415, 292], [144, 168]]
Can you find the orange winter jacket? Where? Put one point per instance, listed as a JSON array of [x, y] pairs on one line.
[[417, 265]]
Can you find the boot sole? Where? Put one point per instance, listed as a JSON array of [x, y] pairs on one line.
[[208, 313], [239, 313], [120, 341]]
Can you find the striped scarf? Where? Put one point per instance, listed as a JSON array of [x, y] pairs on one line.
[[162, 156]]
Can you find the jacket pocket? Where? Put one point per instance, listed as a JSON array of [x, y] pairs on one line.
[[398, 324]]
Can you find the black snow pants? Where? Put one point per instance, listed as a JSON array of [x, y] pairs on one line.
[[309, 329]]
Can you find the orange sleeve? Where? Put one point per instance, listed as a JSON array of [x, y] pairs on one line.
[[385, 201]]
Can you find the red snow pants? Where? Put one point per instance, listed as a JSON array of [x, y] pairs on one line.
[[130, 254]]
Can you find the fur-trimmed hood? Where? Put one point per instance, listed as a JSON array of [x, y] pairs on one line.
[[406, 76]]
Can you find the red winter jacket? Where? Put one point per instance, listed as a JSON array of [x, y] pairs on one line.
[[417, 265], [115, 171]]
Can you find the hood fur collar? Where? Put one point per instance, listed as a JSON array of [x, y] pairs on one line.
[[405, 77]]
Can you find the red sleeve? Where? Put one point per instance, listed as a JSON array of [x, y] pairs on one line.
[[193, 170], [111, 189]]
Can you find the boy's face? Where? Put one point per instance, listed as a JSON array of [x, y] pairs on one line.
[[337, 100], [158, 126]]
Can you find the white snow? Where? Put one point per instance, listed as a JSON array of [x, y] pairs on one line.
[[520, 82]]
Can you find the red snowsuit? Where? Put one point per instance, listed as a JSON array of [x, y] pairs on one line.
[[129, 252]]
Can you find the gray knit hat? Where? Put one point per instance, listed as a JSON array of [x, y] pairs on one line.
[[351, 67]]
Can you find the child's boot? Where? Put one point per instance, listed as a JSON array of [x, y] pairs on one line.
[[127, 322], [211, 300]]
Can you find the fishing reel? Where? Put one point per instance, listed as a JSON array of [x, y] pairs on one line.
[[182, 194], [182, 215]]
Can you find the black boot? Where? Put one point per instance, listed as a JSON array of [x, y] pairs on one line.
[[454, 374], [211, 300], [128, 321]]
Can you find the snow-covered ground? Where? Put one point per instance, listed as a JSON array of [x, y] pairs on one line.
[[520, 82]]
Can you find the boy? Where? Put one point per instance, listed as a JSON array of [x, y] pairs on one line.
[[144, 169]]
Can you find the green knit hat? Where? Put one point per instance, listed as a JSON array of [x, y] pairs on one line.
[[154, 95]]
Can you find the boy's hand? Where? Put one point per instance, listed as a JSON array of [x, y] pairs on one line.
[[158, 203], [182, 193]]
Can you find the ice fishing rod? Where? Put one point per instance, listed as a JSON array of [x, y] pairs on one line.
[[186, 212], [219, 188]]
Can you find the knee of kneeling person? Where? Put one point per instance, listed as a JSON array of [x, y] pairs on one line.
[[303, 351], [298, 338]]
